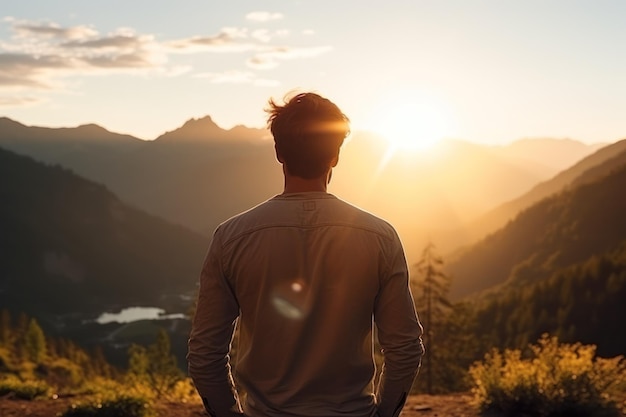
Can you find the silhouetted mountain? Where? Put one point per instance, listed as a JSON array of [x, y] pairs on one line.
[[199, 175], [587, 170], [435, 194], [554, 155], [69, 245], [205, 129], [553, 234]]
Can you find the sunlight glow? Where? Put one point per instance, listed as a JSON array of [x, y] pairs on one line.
[[411, 122]]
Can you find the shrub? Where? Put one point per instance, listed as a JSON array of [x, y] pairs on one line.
[[555, 380], [118, 406], [25, 390]]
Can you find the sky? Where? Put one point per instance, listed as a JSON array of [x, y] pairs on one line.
[[488, 71]]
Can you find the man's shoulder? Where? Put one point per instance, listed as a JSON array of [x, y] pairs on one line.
[[358, 217]]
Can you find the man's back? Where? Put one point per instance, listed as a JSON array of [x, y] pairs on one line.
[[307, 273]]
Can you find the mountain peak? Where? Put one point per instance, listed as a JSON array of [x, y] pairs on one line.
[[92, 128], [195, 129], [205, 122]]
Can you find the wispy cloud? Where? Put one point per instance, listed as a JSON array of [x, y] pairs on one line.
[[26, 29], [261, 16], [19, 101], [229, 39], [41, 51], [270, 57], [42, 55]]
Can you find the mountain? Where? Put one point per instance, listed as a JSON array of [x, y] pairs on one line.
[[436, 195], [554, 155], [200, 174], [589, 169], [89, 150], [197, 175], [553, 234], [203, 129], [70, 245]]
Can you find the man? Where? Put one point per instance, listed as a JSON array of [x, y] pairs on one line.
[[306, 275]]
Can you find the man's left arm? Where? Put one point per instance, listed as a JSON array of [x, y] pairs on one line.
[[211, 334]]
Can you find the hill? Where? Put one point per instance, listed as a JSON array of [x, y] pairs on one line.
[[70, 245], [555, 233], [589, 169]]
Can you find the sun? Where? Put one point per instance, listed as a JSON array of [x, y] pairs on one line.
[[411, 123]]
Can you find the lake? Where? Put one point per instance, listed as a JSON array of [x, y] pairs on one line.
[[137, 313]]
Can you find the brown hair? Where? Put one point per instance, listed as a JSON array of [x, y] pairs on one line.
[[308, 131]]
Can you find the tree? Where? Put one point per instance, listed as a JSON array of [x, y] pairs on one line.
[[163, 372], [155, 365], [432, 289], [35, 342], [7, 334]]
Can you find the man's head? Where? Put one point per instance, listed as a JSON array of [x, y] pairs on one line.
[[308, 131]]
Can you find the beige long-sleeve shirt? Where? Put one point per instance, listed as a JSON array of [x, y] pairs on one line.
[[306, 275]]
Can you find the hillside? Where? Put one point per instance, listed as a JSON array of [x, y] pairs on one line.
[[555, 233], [589, 169], [70, 245], [197, 175], [577, 303]]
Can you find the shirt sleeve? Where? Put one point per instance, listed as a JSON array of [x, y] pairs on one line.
[[211, 335], [399, 334]]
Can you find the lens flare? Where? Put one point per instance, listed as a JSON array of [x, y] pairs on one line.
[[290, 300]]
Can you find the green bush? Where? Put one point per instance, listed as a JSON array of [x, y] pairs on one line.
[[23, 389], [119, 406], [555, 380]]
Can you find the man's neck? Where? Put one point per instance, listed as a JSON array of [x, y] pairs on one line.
[[295, 184]]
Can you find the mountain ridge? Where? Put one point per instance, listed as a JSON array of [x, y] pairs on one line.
[[71, 245], [555, 232], [200, 174]]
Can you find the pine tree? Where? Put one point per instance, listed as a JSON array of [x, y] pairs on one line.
[[163, 372], [7, 333], [35, 342], [433, 288], [137, 362]]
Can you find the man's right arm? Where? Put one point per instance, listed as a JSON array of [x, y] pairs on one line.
[[210, 338], [399, 334]]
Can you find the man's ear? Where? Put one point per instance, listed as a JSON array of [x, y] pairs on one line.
[[279, 157]]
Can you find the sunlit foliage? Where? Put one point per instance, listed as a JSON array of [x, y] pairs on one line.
[[32, 366], [551, 380], [14, 387], [120, 405]]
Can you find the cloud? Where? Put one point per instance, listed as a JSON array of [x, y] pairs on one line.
[[15, 101], [227, 40], [27, 29], [270, 57], [43, 56], [40, 52], [21, 70], [263, 16], [265, 36]]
